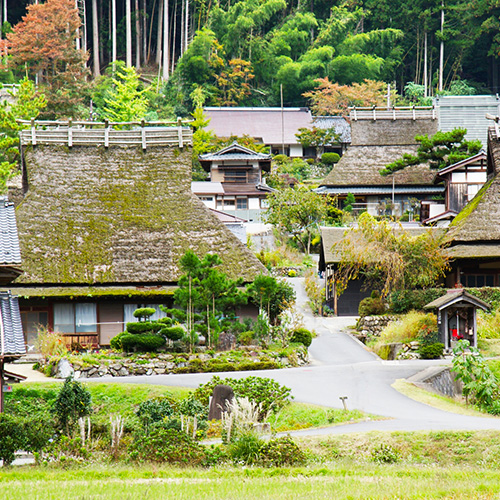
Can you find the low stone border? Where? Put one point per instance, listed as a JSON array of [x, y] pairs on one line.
[[123, 366], [373, 325]]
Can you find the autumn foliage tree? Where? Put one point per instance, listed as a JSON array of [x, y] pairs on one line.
[[330, 98], [389, 258], [43, 42]]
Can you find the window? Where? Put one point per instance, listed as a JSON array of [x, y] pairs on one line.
[[128, 312], [239, 176], [32, 318], [477, 280], [75, 318], [206, 198], [242, 203]]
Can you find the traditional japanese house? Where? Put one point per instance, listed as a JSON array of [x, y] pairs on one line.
[[106, 216], [380, 137], [237, 186]]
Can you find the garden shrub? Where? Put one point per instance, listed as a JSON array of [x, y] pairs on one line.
[[173, 333], [12, 437], [166, 321], [488, 324], [431, 351], [269, 394], [329, 158], [371, 306], [72, 402], [302, 336], [245, 448], [116, 342], [154, 410], [403, 301], [143, 343], [246, 338], [167, 446], [144, 327], [144, 312], [280, 452]]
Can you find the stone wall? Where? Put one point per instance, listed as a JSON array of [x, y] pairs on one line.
[[373, 325], [162, 364], [439, 379]]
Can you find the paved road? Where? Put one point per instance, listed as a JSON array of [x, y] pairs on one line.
[[341, 366]]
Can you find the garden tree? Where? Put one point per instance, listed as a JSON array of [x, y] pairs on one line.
[[296, 167], [28, 105], [439, 151], [331, 98], [72, 403], [297, 211], [125, 100], [206, 290], [389, 258], [44, 43], [318, 138], [349, 201], [271, 295]]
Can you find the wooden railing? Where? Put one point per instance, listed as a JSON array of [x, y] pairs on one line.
[[87, 133], [394, 113]]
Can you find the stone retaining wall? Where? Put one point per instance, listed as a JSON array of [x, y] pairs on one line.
[[123, 366], [373, 325]]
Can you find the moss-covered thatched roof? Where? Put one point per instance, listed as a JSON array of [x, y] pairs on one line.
[[117, 215], [360, 166]]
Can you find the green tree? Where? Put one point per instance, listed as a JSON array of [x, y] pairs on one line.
[[28, 104], [439, 151], [389, 258], [296, 211], [317, 138], [125, 101], [72, 402]]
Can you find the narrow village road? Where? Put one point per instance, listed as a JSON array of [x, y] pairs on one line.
[[341, 366]]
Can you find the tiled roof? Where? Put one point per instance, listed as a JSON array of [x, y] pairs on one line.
[[11, 330], [235, 152], [10, 253], [260, 123]]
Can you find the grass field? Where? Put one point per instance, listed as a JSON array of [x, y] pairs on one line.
[[342, 481]]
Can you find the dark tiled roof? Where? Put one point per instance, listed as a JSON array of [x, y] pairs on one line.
[[10, 253], [11, 330], [235, 152]]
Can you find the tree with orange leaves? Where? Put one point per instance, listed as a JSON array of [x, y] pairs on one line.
[[330, 98], [44, 42]]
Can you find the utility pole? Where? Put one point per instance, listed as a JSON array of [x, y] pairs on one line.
[[441, 49], [282, 122]]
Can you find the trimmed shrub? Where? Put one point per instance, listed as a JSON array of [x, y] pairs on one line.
[[12, 437], [143, 343], [166, 321], [281, 452], [144, 312], [371, 306], [302, 336], [144, 327], [329, 158], [431, 351], [167, 446], [173, 333], [116, 342]]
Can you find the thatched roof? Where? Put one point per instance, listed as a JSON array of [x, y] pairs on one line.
[[360, 166], [117, 215]]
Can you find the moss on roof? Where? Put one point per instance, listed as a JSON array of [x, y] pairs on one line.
[[94, 215]]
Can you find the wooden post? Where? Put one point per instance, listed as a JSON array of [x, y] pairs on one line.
[[143, 134], [393, 113], [106, 133], [179, 131], [413, 109], [33, 132], [70, 133], [374, 114]]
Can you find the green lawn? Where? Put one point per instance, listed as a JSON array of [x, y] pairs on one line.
[[342, 481]]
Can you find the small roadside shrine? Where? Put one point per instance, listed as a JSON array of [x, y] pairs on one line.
[[457, 317]]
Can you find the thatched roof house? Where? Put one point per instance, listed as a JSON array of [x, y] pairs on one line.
[[375, 144], [101, 228], [474, 234]]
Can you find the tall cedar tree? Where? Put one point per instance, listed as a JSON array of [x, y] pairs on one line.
[[44, 41]]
